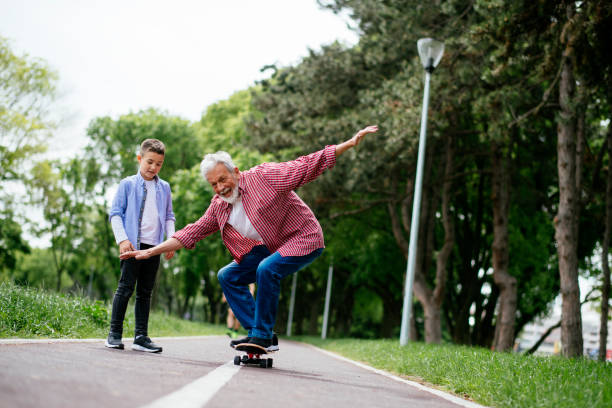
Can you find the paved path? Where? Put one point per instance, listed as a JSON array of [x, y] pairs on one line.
[[194, 372]]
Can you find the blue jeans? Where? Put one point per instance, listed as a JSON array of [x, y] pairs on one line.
[[267, 270]]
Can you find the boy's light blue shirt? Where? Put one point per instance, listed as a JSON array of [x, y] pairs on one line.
[[129, 205]]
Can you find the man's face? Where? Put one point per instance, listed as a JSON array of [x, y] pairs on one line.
[[150, 164], [224, 182]]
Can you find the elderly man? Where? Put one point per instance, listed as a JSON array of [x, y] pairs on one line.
[[270, 232]]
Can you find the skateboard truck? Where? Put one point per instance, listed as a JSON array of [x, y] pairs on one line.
[[253, 359]]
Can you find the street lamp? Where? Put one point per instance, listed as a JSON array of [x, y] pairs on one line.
[[430, 52]]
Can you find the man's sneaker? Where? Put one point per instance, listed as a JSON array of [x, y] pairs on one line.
[[274, 345], [232, 333], [114, 341], [236, 342], [144, 343], [258, 341]]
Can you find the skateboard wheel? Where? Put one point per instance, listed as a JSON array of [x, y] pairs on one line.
[[237, 360], [269, 364], [244, 359], [263, 363]]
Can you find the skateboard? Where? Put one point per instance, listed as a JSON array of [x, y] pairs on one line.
[[253, 355]]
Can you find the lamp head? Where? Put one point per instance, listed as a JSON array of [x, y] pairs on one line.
[[430, 52]]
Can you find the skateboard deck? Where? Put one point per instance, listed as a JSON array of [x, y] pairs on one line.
[[252, 355]]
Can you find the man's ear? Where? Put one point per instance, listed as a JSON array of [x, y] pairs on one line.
[[236, 171]]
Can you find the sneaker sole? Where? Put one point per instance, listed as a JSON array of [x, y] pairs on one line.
[[272, 348], [115, 346], [147, 350]]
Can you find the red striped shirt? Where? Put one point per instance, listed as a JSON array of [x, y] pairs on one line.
[[284, 222]]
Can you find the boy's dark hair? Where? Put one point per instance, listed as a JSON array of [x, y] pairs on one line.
[[152, 145]]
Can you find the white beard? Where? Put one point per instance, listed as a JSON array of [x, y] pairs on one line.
[[232, 198]]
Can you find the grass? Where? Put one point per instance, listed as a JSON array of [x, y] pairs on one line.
[[489, 378], [33, 313]]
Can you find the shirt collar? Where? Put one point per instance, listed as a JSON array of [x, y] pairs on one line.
[[141, 180]]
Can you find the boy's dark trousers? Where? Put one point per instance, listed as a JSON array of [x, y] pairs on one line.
[[139, 274]]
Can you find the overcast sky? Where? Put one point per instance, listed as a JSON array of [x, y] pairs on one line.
[[114, 57]]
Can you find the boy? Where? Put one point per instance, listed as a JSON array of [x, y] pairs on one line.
[[141, 214]]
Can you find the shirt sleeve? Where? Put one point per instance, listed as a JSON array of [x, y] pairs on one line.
[[118, 230], [192, 233], [169, 211], [119, 203], [290, 175], [169, 228]]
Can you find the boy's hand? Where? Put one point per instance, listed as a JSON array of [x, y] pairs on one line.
[[125, 246], [142, 254], [169, 254]]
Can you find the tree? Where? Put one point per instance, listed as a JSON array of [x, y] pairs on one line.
[[27, 88], [566, 222], [65, 191], [483, 95]]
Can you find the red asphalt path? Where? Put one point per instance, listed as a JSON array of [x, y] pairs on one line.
[[86, 374]]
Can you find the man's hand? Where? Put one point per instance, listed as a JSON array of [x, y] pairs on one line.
[[355, 140], [169, 254], [359, 135], [125, 246]]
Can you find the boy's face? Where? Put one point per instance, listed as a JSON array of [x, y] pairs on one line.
[[150, 164]]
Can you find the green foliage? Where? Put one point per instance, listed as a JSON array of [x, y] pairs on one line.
[[11, 242], [223, 127], [27, 312], [489, 378], [118, 141], [27, 87], [496, 84]]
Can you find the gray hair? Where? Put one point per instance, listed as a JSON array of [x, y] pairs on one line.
[[211, 160]]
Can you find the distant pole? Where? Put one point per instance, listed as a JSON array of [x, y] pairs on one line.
[[330, 276], [291, 304], [90, 284], [430, 52]]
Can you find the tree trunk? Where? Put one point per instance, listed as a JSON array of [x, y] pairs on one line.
[[504, 330], [449, 230], [605, 266], [392, 315], [431, 300], [566, 225]]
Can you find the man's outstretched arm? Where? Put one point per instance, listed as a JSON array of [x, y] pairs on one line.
[[354, 141], [171, 244]]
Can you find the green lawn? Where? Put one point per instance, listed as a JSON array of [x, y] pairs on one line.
[[33, 313], [489, 378]]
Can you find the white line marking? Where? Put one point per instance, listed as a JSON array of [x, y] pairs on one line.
[[197, 393], [441, 394]]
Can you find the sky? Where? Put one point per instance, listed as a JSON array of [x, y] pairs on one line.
[[116, 57]]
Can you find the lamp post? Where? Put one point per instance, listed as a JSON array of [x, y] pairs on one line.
[[430, 52]]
